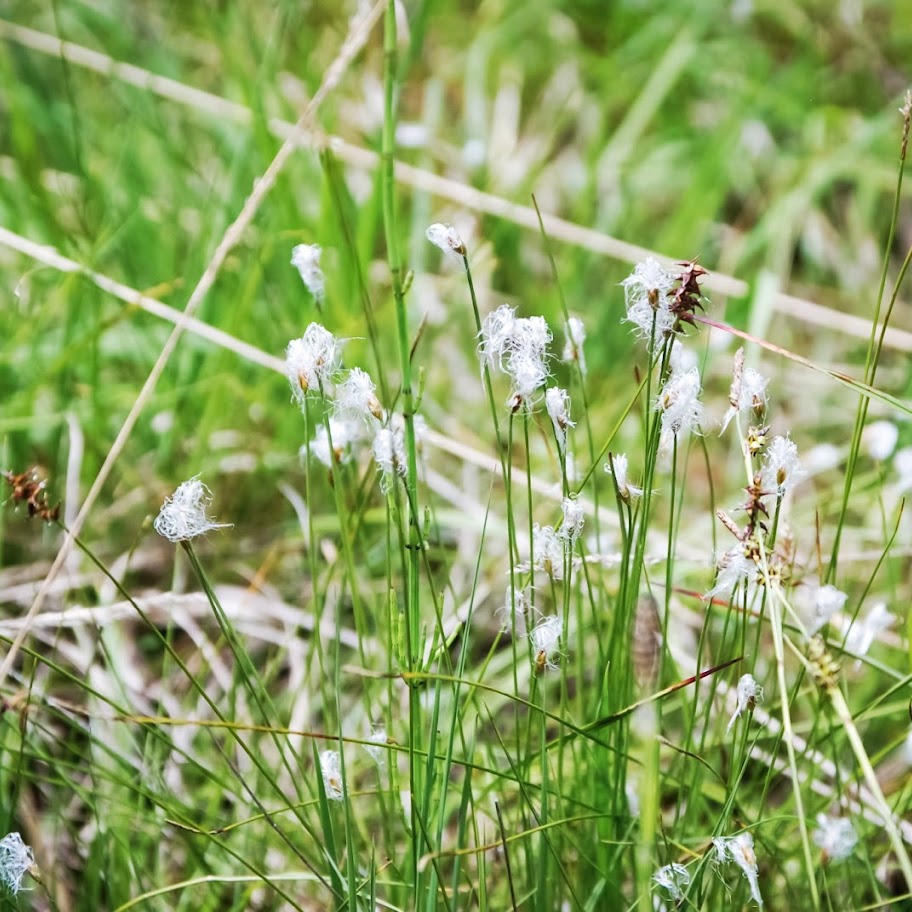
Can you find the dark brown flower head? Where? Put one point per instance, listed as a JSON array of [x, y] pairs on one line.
[[686, 297], [27, 488]]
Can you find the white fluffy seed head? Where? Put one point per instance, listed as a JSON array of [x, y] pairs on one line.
[[879, 439], [183, 514], [331, 770], [312, 361], [377, 747], [825, 601], [518, 346], [573, 347], [557, 404], [356, 397], [648, 303], [749, 693], [345, 434], [512, 613], [836, 837], [781, 469], [674, 878], [447, 238], [573, 522], [860, 635], [306, 259], [740, 850], [16, 859], [626, 490], [748, 392], [389, 454], [679, 403], [545, 637], [548, 551]]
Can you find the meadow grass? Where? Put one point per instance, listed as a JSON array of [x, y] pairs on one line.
[[369, 591]]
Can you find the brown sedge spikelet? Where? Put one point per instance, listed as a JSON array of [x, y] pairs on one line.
[[28, 489]]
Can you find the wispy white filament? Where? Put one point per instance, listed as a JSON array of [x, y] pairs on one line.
[[183, 514]]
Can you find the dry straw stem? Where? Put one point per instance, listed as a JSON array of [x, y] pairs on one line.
[[355, 40], [420, 179]]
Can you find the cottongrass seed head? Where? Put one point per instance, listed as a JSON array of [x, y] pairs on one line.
[[511, 614], [749, 693], [646, 292], [740, 850], [447, 238], [557, 404], [573, 347], [331, 770], [356, 397], [345, 433], [183, 514], [517, 346], [306, 259], [617, 466], [312, 361], [545, 637], [573, 521], [825, 602], [781, 469], [377, 747], [747, 392], [548, 550], [16, 859], [679, 404], [836, 837], [674, 878]]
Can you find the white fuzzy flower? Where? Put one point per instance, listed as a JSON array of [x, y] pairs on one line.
[[345, 434], [389, 454], [528, 372], [749, 693], [836, 837], [880, 439], [312, 361], [573, 347], [378, 741], [626, 490], [306, 259], [356, 396], [825, 601], [331, 770], [545, 637], [16, 859], [675, 878], [781, 469], [740, 850], [548, 551], [557, 403], [648, 302], [512, 613], [734, 567], [447, 239], [183, 514], [497, 336], [518, 346], [748, 391], [860, 635], [679, 404], [574, 519]]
